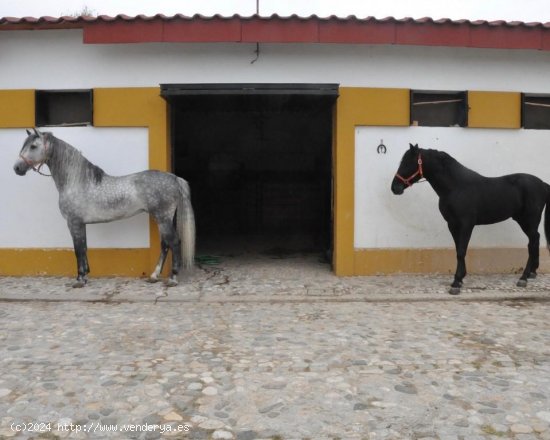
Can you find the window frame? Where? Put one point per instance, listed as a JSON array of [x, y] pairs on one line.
[[525, 105], [458, 96], [47, 98]]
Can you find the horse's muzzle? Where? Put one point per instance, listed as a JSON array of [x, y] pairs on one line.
[[20, 169], [397, 187]]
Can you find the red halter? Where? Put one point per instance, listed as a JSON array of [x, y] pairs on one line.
[[418, 172]]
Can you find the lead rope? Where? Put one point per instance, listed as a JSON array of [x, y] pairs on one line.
[[37, 170]]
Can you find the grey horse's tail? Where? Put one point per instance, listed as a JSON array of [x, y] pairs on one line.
[[186, 225], [547, 218]]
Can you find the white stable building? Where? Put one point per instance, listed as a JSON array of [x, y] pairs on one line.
[[278, 123]]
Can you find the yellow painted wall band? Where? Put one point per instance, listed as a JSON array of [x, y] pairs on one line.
[[16, 108], [494, 109], [355, 107], [484, 260], [62, 262]]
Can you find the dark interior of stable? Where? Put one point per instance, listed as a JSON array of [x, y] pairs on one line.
[[259, 167]]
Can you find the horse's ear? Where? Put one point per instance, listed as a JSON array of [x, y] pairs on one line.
[[28, 132], [47, 139], [413, 147], [37, 131]]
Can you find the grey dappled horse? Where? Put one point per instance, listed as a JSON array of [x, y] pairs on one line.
[[88, 195]]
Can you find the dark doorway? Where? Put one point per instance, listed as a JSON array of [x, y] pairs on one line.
[[258, 159]]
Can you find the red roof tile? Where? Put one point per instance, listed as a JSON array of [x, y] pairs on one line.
[[426, 31]]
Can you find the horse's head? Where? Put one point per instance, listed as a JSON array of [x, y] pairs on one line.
[[34, 153], [409, 171]]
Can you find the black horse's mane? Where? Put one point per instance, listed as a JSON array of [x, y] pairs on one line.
[[449, 164]]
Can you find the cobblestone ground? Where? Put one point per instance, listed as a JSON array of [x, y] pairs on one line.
[[275, 349]]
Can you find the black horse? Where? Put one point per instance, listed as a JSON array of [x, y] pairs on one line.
[[467, 198]]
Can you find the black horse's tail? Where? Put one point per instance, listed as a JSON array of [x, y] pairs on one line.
[[547, 218]]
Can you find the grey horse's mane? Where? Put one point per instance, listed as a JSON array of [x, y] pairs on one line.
[[65, 157]]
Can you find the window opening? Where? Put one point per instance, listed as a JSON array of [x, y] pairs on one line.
[[64, 107], [438, 108]]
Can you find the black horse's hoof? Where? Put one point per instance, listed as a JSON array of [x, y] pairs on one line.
[[532, 275], [522, 283], [454, 291], [78, 284]]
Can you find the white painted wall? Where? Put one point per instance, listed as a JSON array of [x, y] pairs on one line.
[[59, 59], [30, 215], [412, 220]]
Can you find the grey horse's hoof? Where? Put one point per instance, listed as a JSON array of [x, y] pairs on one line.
[[152, 280], [170, 282], [454, 291], [78, 284], [522, 283], [532, 275]]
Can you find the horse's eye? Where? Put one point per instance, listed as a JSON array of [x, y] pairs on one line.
[[33, 147]]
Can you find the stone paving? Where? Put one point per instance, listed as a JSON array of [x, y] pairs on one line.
[[275, 348]]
